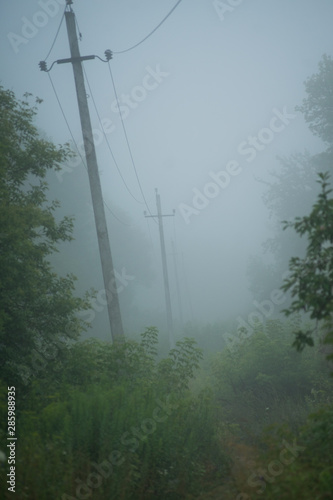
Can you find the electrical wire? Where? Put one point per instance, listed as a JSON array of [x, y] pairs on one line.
[[63, 114], [127, 142], [107, 140], [75, 143], [56, 36], [146, 37]]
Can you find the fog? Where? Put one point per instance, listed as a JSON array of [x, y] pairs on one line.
[[208, 102]]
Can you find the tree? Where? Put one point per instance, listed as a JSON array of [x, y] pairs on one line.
[[37, 307], [311, 278], [317, 107], [290, 193], [293, 190]]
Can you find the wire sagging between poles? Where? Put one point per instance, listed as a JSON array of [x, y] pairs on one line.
[[77, 148], [127, 142], [155, 29]]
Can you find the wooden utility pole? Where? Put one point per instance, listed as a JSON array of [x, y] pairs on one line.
[[177, 285], [110, 285], [165, 268]]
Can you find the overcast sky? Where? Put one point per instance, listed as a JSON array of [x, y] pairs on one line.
[[208, 102]]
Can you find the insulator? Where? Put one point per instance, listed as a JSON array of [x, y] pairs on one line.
[[108, 54], [43, 66]]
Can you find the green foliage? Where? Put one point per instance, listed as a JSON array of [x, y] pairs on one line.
[[293, 189], [310, 475], [111, 407], [93, 361], [265, 391], [102, 420], [121, 418], [36, 306], [177, 370], [264, 375], [311, 278], [290, 192]]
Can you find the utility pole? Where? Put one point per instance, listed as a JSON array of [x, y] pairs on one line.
[[165, 268], [177, 285], [109, 279]]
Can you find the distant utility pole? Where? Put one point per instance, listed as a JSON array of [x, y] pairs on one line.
[[177, 285], [110, 286], [165, 268]]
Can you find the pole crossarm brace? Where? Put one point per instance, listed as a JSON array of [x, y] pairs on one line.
[[163, 215], [43, 65]]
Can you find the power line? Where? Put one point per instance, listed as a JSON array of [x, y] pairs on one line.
[[56, 36], [107, 141], [127, 141], [77, 148], [146, 37], [114, 215], [64, 116]]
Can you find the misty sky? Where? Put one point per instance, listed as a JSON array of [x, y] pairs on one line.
[[195, 97]]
